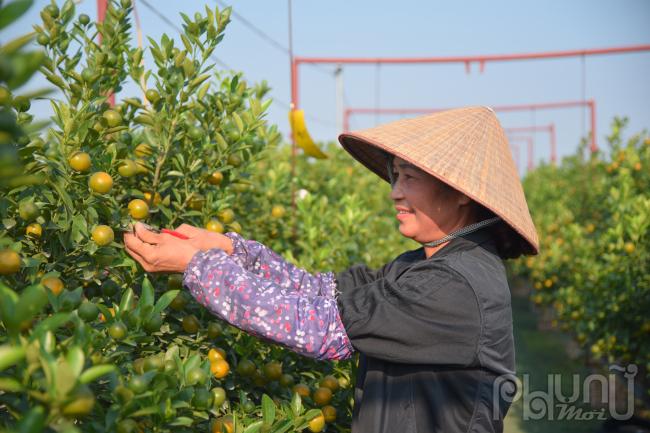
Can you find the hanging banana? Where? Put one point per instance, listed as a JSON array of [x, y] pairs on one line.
[[301, 135]]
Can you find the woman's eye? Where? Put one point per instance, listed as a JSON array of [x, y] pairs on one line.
[[406, 176]]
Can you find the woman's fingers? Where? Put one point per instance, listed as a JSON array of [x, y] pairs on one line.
[[170, 254], [135, 244], [188, 230], [138, 258], [146, 235]]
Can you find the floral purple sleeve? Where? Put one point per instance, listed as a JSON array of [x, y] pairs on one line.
[[309, 325], [264, 262]]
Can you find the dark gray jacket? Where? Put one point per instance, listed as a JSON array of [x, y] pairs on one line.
[[433, 335]]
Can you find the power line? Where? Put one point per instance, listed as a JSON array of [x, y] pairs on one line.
[[223, 64], [259, 32], [255, 29], [178, 29]]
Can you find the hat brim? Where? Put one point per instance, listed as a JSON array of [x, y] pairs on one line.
[[368, 153]]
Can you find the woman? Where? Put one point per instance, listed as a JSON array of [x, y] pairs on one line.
[[433, 327]]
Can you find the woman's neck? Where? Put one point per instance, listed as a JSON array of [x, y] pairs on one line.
[[430, 251]]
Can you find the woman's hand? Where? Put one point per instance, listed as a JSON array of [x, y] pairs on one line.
[[159, 252], [205, 239]]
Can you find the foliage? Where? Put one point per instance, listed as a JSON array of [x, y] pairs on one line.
[[593, 217], [88, 342]]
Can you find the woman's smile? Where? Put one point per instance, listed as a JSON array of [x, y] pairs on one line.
[[403, 212]]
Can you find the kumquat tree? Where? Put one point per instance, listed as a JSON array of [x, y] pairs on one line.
[[91, 343]]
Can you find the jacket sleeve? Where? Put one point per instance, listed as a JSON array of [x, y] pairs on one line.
[[259, 259], [307, 324], [429, 316], [357, 275]]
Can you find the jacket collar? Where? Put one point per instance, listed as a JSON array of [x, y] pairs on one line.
[[462, 243]]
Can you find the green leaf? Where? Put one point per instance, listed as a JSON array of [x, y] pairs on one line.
[[31, 302], [255, 427], [147, 295], [25, 65], [8, 301], [182, 421], [296, 404], [79, 228], [312, 413], [283, 427], [234, 83], [223, 145], [145, 411], [198, 80], [192, 362], [16, 44], [127, 299], [64, 378], [238, 122], [203, 90], [187, 43], [8, 223], [56, 80], [51, 323], [96, 372], [13, 11], [268, 410], [61, 191], [256, 107], [164, 301], [32, 421], [10, 355], [157, 56], [75, 359], [9, 384]]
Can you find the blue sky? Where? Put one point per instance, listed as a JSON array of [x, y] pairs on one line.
[[619, 83]]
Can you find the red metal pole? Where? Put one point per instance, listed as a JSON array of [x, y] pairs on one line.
[[294, 85], [539, 106], [101, 13], [529, 142], [553, 145], [478, 58], [550, 128]]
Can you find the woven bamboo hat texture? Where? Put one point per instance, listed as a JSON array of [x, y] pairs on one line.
[[464, 147]]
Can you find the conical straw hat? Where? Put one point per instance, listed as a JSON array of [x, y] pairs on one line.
[[465, 148]]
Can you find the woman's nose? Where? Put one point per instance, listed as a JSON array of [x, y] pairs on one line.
[[396, 192]]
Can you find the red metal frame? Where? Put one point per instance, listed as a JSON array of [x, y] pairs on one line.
[[529, 141], [467, 60], [550, 128], [591, 104]]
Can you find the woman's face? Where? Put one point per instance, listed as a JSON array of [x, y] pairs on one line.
[[432, 208]]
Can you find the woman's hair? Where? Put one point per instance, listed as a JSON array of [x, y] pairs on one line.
[[509, 243]]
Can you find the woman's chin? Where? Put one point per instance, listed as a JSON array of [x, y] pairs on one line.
[[406, 231]]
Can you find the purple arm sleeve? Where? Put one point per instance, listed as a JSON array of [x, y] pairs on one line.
[[257, 258], [307, 324]]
